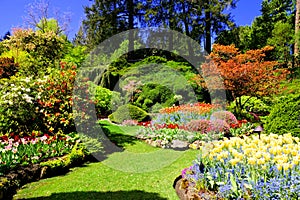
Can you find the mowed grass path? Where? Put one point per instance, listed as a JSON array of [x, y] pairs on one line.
[[139, 172]]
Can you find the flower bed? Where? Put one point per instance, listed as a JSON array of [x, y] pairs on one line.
[[247, 168], [191, 124], [17, 151], [15, 178]]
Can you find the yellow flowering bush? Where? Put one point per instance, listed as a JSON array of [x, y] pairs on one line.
[[252, 167]]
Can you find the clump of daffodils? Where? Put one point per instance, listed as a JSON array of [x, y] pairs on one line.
[[250, 167]]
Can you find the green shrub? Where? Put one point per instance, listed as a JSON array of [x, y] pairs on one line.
[[255, 105], [284, 116], [102, 100], [127, 112], [152, 94], [105, 100]]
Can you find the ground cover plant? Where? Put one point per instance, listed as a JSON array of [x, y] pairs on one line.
[[265, 167]]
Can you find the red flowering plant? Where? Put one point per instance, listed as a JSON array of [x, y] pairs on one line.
[[54, 100], [16, 151]]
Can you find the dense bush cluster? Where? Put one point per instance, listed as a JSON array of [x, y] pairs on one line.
[[285, 116], [152, 94]]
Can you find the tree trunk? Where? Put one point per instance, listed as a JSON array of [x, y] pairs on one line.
[[130, 27], [207, 31], [171, 24], [187, 31]]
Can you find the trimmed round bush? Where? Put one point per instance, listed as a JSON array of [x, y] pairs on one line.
[[128, 112], [284, 116]]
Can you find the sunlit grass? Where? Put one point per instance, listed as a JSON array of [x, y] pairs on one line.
[[139, 172]]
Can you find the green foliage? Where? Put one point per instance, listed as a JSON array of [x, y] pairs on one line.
[[156, 107], [127, 112], [105, 100], [152, 94], [239, 36], [43, 50], [157, 70], [76, 156], [282, 39], [284, 116], [75, 55], [256, 105]]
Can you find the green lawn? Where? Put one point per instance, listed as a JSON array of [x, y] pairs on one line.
[[139, 172]]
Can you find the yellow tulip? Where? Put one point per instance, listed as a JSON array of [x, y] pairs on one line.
[[234, 161], [279, 166], [252, 161]]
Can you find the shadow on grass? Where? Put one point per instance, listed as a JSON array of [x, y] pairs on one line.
[[116, 139], [116, 135], [118, 195]]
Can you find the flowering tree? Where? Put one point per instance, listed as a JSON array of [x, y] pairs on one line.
[[246, 73]]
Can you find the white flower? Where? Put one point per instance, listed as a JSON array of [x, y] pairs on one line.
[[27, 90], [27, 79], [27, 98]]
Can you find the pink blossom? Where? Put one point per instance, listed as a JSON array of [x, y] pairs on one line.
[[16, 144], [34, 141], [8, 147], [44, 138], [24, 141]]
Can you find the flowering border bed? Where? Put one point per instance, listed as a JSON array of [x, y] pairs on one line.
[[13, 180], [265, 167]]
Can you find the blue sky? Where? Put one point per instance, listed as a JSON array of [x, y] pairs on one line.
[[13, 11]]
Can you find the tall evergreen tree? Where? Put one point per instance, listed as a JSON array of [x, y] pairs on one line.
[[107, 18]]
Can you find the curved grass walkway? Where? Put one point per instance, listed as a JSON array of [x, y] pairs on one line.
[[138, 172]]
